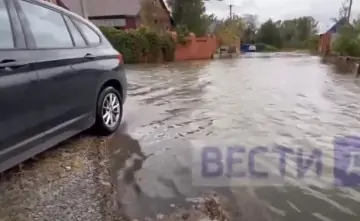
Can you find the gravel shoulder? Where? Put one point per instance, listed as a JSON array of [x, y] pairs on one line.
[[72, 181], [68, 182]]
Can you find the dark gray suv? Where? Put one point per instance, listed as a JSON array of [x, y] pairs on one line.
[[59, 76]]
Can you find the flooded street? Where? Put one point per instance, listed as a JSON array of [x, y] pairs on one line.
[[144, 171]]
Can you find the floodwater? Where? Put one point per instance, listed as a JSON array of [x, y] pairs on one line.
[[175, 109]]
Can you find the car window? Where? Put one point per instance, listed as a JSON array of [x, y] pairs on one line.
[[47, 26], [90, 35], [7, 40], [78, 39]]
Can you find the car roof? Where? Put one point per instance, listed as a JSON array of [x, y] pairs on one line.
[[58, 8], [65, 11]]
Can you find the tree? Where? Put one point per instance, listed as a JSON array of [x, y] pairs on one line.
[[306, 27], [250, 25], [349, 9], [190, 13], [230, 30], [269, 33], [344, 10], [208, 21], [356, 23], [348, 41], [298, 32], [288, 32]]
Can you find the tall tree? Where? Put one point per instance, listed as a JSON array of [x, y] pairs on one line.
[[250, 23], [356, 23], [190, 13], [297, 32], [344, 10], [229, 30], [269, 33], [349, 9]]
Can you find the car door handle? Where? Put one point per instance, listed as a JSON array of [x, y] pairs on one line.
[[90, 56], [11, 64]]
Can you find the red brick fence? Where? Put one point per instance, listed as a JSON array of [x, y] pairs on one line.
[[196, 48]]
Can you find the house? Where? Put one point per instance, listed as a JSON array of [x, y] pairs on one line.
[[122, 14], [327, 38]]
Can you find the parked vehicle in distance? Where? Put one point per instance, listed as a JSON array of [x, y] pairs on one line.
[[59, 76], [252, 48], [248, 48]]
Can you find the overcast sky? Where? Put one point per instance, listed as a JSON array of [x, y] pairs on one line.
[[321, 10]]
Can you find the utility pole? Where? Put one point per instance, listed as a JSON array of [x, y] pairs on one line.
[[349, 10], [230, 7]]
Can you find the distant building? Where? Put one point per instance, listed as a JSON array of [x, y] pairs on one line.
[[122, 14], [327, 38]]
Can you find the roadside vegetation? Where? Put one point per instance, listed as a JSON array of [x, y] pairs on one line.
[[152, 43], [297, 33], [292, 34], [348, 42], [149, 43], [142, 44]]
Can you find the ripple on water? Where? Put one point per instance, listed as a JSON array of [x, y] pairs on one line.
[[260, 99]]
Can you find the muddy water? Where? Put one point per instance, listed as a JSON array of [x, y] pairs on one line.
[[288, 99], [144, 171]]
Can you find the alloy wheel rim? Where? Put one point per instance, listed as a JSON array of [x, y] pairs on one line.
[[111, 110]]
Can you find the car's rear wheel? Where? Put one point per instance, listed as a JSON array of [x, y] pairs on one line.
[[109, 111]]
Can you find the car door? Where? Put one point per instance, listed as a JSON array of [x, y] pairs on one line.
[[53, 46], [86, 64], [20, 101]]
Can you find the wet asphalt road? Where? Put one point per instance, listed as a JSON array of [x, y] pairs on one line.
[[144, 171]]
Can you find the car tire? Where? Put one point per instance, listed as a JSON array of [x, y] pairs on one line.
[[109, 110]]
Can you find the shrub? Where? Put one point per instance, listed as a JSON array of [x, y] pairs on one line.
[[123, 42], [266, 47], [154, 46], [182, 32], [312, 43], [348, 42], [168, 46], [142, 44]]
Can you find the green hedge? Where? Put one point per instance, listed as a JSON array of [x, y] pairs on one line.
[[168, 47], [141, 45], [266, 47]]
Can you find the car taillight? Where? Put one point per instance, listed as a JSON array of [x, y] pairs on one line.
[[120, 58]]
